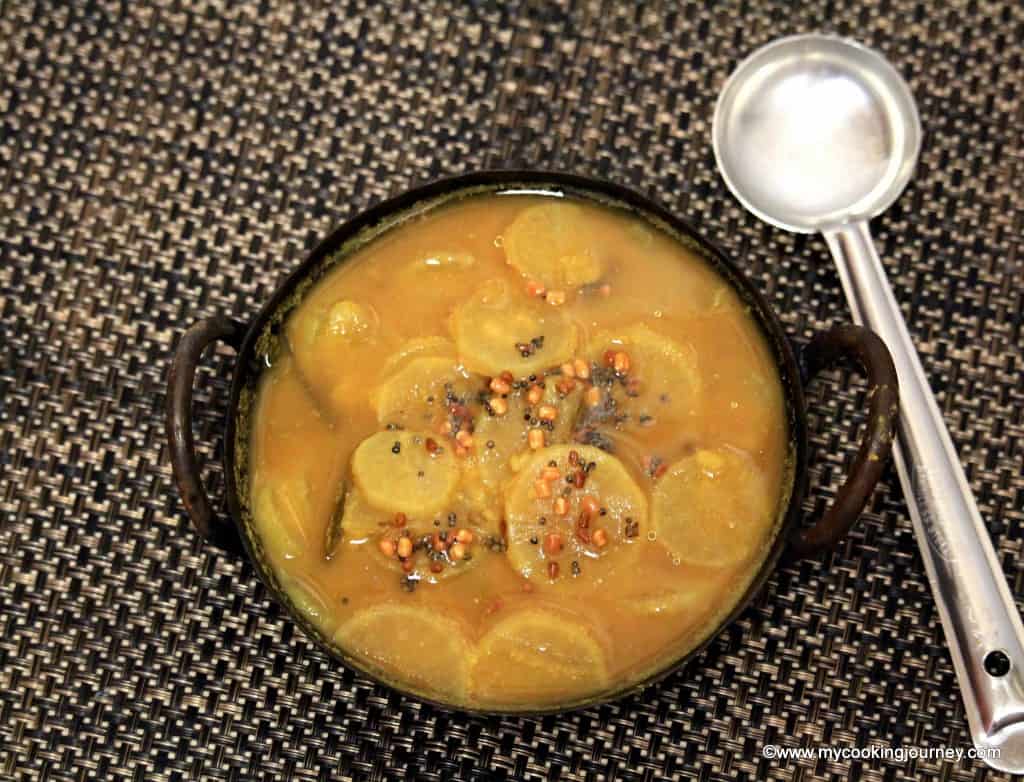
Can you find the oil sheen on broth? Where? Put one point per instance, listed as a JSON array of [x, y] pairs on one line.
[[519, 451]]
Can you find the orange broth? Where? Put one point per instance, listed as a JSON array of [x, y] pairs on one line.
[[542, 569]]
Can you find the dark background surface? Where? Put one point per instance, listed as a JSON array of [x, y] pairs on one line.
[[161, 163]]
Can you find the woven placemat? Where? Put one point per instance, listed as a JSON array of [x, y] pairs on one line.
[[166, 162]]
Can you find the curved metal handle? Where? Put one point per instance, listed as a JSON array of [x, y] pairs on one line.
[[982, 625], [870, 352], [179, 423]]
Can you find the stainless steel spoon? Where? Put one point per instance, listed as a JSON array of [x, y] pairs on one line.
[[815, 133]]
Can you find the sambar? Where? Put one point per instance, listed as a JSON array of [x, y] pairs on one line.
[[511, 483]]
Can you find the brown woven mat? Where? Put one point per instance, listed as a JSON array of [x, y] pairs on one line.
[[164, 163]]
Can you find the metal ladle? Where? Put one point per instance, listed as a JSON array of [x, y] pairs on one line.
[[815, 133]]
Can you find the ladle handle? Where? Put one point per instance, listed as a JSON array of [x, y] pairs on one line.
[[982, 625]]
